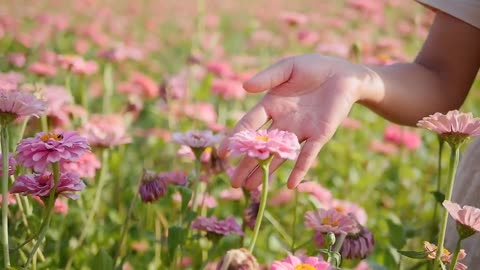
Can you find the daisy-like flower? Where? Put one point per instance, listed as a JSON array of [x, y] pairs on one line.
[[217, 227], [331, 220], [106, 131], [467, 218], [431, 250], [42, 184], [198, 140], [16, 103], [455, 127], [86, 165], [293, 262], [152, 187], [12, 163], [238, 259], [45, 148], [264, 143]]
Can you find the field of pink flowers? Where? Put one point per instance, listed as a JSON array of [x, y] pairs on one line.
[[111, 114]]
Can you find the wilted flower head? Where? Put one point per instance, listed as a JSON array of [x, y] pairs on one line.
[[152, 187], [196, 139], [105, 131], [358, 245], [332, 221], [238, 259], [12, 163], [45, 148], [293, 262], [455, 127], [467, 218], [447, 256], [218, 227], [262, 144], [42, 184], [16, 103]]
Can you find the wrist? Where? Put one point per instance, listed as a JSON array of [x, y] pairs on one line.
[[370, 89]]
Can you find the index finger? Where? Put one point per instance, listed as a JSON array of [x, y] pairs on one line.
[[252, 120]]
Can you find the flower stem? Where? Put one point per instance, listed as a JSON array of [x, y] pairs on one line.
[[108, 86], [294, 223], [454, 156], [125, 226], [439, 185], [263, 201], [5, 152], [455, 254], [48, 213], [196, 184]]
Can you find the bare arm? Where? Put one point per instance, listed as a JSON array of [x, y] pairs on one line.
[[438, 80]]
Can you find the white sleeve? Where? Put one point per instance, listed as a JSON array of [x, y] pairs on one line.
[[465, 10]]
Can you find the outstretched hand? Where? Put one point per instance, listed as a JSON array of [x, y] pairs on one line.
[[308, 95]]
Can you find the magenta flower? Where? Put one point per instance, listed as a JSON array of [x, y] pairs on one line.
[[152, 187], [454, 126], [218, 227], [42, 184], [12, 163], [467, 218], [331, 220], [264, 143], [16, 103], [45, 148], [293, 262], [86, 165], [196, 139]]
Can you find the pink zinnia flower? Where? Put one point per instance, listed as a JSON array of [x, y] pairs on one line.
[[152, 187], [202, 111], [16, 103], [402, 137], [142, 85], [196, 139], [17, 59], [61, 206], [431, 250], [121, 52], [221, 69], [219, 227], [350, 208], [264, 143], [293, 18], [454, 126], [293, 262], [86, 165], [45, 148], [42, 69], [175, 177], [228, 89], [231, 194], [467, 218], [10, 199], [105, 131], [330, 220], [10, 80], [76, 64], [12, 163], [42, 184], [385, 148], [323, 195]]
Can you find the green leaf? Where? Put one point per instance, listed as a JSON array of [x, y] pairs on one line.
[[102, 261], [397, 234], [414, 254], [186, 194], [439, 196], [176, 238]]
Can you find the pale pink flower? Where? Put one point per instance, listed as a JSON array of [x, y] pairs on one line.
[[220, 68], [176, 86], [42, 69], [380, 147], [363, 265], [196, 139], [350, 208], [231, 194], [219, 227], [81, 46], [307, 37], [140, 84], [334, 48], [281, 197], [238, 259], [77, 65], [202, 199], [175, 177], [293, 18], [17, 59], [350, 123], [186, 152], [323, 195], [228, 89], [202, 111], [16, 103], [331, 220], [10, 199], [61, 207], [42, 184], [11, 80], [45, 148], [447, 256], [106, 131], [122, 52], [466, 216], [262, 144], [86, 165], [293, 262], [454, 126], [403, 137]]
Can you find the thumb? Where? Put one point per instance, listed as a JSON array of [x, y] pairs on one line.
[[271, 77]]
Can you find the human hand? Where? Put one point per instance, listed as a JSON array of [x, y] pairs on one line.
[[308, 95]]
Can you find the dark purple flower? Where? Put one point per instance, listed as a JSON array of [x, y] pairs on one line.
[[152, 187]]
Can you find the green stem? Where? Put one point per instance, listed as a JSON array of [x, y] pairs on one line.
[[196, 184], [263, 201], [454, 157], [294, 223], [439, 185], [108, 87], [5, 152], [48, 213], [125, 226], [44, 122], [455, 255]]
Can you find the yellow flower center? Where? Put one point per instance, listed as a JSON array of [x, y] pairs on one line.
[[304, 266], [329, 221], [340, 208], [262, 138], [47, 136]]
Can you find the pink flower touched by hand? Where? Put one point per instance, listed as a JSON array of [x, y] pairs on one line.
[[467, 218], [262, 144]]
